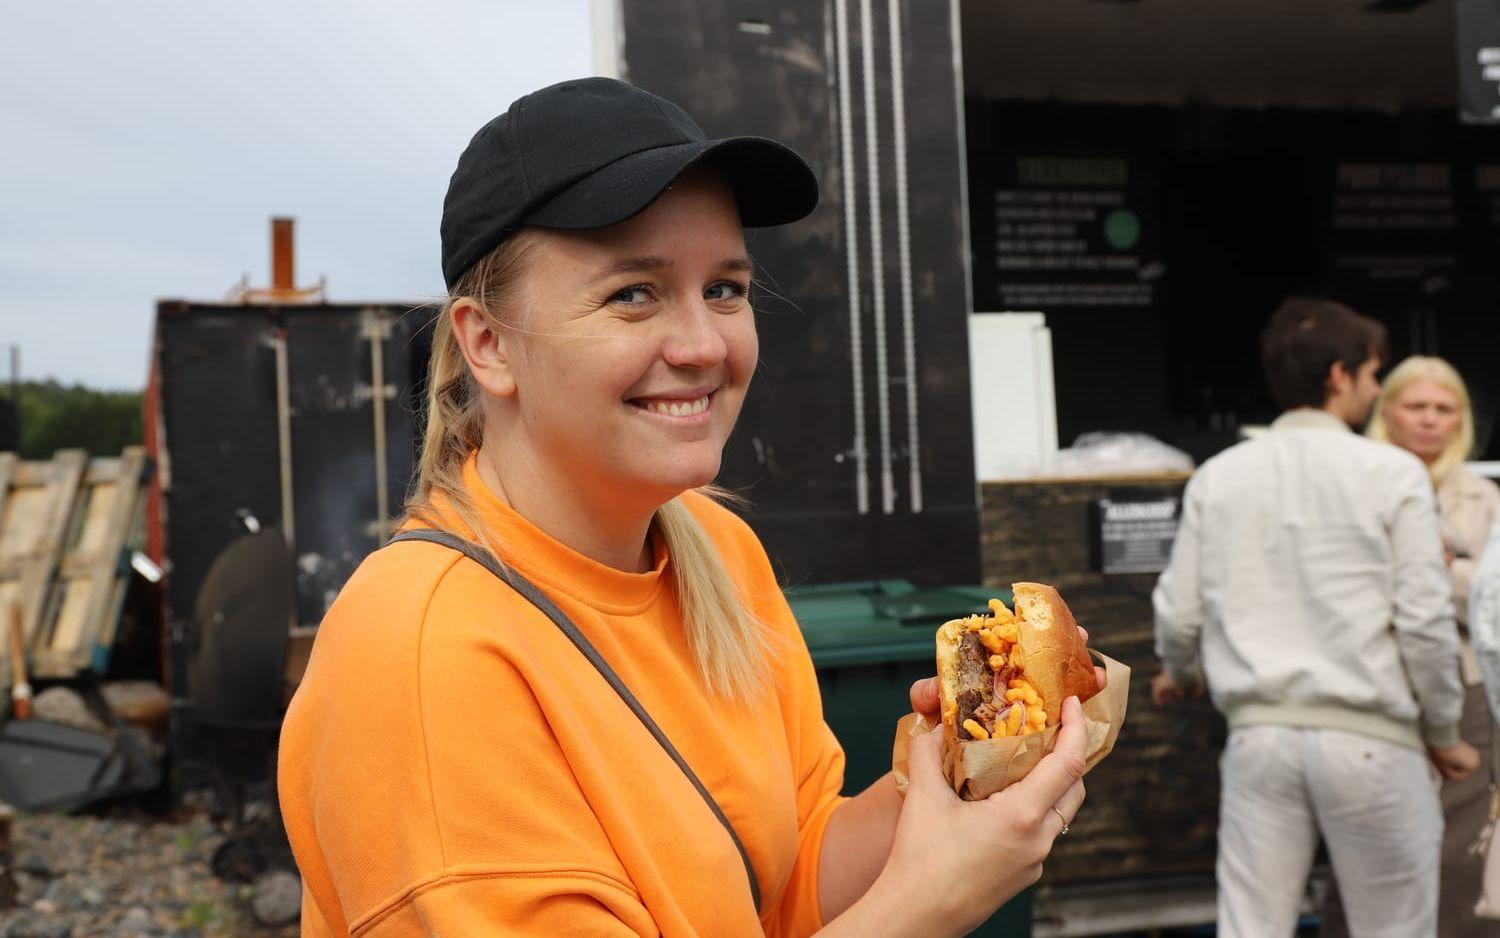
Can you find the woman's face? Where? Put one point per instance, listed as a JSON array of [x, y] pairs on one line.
[[636, 345], [1424, 418]]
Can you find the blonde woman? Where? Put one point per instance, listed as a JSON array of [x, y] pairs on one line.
[[578, 704], [1424, 408]]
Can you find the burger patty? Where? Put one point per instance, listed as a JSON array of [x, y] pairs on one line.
[[976, 682]]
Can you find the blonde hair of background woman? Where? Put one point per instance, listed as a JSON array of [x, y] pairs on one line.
[[728, 643], [1417, 368]]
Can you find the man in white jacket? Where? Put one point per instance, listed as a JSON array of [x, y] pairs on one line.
[[1307, 587]]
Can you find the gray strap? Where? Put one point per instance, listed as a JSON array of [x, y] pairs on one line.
[[539, 599]]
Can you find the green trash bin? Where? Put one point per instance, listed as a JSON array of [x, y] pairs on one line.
[[869, 641]]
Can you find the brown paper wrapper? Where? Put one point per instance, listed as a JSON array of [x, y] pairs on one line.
[[979, 768]]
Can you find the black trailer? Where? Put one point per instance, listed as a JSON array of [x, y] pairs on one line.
[[293, 420]]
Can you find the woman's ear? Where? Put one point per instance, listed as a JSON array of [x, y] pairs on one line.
[[486, 348]]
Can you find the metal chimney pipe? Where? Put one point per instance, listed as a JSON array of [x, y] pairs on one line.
[[282, 277]]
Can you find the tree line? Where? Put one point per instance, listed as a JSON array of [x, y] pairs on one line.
[[38, 418]]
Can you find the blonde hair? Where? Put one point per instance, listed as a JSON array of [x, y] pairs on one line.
[[1418, 368], [729, 644]]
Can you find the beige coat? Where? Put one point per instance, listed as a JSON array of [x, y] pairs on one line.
[[1467, 506]]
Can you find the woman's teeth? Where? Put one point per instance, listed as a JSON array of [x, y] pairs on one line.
[[677, 408]]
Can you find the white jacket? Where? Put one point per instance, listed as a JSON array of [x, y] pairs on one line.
[[1308, 579]]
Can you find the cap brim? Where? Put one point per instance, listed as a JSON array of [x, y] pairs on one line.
[[772, 185]]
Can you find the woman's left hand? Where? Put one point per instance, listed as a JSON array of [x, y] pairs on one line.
[[924, 693]]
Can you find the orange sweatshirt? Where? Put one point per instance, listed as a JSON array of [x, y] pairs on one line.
[[451, 764]]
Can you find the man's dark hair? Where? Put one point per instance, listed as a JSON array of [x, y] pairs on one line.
[[1303, 340]]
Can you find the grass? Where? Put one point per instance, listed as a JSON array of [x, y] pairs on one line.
[[200, 913]]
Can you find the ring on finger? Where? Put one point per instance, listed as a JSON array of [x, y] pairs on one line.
[[1060, 818]]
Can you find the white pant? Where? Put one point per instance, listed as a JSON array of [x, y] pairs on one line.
[[1374, 802]]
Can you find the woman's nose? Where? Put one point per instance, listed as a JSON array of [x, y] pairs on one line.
[[694, 340]]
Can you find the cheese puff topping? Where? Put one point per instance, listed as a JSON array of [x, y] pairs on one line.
[[995, 644], [1013, 720]]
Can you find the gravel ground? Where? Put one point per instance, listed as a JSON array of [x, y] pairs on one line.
[[124, 872]]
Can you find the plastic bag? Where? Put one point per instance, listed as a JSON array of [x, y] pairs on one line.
[[1117, 454]]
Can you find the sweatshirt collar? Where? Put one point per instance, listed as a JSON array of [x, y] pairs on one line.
[[1308, 418], [558, 568]]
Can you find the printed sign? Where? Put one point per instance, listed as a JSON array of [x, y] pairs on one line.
[[1071, 232], [1479, 61], [1135, 535]]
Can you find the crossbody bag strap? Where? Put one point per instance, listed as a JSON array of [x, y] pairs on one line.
[[539, 599]]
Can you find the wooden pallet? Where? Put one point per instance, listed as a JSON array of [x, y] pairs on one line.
[[67, 527]]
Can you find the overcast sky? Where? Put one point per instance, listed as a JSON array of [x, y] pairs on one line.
[[144, 147]]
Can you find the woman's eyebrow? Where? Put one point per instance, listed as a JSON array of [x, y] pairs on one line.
[[631, 265], [650, 262]]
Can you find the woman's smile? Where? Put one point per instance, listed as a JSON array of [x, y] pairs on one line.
[[688, 408]]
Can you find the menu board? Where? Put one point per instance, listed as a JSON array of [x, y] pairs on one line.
[[1135, 534], [1479, 61], [1073, 232], [1393, 229]]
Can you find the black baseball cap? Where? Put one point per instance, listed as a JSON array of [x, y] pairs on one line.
[[595, 151]]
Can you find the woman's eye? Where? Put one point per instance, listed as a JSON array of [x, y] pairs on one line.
[[725, 290], [639, 293]]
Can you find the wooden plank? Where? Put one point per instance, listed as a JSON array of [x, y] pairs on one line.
[[116, 537], [91, 577], [104, 469], [65, 527], [135, 541], [98, 512], [58, 657], [106, 637], [25, 522], [8, 464], [44, 528], [30, 514], [33, 473]]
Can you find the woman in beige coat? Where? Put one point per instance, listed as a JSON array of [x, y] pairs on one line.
[[1424, 408]]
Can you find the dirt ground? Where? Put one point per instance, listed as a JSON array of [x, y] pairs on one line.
[[123, 871]]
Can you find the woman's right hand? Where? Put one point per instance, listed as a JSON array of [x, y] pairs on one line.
[[958, 861]]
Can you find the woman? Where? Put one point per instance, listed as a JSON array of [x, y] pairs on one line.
[[452, 763], [1424, 408]]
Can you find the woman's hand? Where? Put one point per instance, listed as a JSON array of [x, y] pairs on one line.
[[955, 862]]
